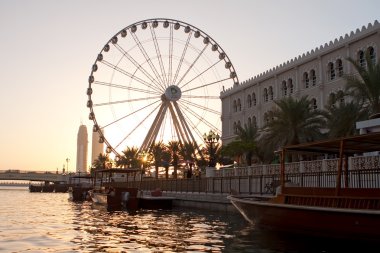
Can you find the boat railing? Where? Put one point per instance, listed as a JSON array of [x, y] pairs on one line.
[[364, 162]]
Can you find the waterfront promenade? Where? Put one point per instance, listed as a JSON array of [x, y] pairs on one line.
[[213, 186]]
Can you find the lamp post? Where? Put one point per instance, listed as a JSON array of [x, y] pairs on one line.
[[67, 165], [211, 139]]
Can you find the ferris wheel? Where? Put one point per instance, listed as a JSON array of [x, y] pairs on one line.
[[157, 80]]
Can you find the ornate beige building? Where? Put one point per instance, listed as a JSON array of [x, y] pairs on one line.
[[317, 74]]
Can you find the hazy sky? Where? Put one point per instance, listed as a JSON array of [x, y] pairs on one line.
[[48, 48]]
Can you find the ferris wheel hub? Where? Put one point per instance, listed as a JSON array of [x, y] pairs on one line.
[[173, 93]]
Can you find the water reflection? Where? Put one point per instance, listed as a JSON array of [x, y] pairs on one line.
[[48, 222], [148, 230]]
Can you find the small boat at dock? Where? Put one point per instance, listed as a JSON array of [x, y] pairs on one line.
[[79, 185], [109, 191], [35, 188], [345, 211], [155, 200]]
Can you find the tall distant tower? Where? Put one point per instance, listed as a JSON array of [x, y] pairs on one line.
[[82, 146], [97, 148]]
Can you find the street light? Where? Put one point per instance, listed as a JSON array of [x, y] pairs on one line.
[[211, 138], [67, 163]]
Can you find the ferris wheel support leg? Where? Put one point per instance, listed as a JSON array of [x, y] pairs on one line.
[[186, 126], [150, 135]]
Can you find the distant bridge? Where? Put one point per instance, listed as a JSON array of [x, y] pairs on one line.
[[33, 176]]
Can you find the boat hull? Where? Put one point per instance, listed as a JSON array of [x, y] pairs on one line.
[[35, 188], [156, 202], [321, 221], [119, 198], [78, 193]]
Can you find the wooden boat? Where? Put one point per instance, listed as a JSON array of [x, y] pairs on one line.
[[35, 188], [109, 192], [342, 211], [61, 187], [155, 200], [47, 187], [80, 184]]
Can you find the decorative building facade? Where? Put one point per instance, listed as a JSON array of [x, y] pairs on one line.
[[317, 74], [82, 146]]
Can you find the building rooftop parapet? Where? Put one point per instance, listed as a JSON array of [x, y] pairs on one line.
[[305, 57]]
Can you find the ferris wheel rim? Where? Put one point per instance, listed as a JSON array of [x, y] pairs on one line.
[[130, 28]]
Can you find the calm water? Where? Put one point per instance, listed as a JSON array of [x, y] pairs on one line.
[[48, 222]]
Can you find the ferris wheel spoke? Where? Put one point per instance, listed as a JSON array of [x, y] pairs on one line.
[[133, 77], [137, 65], [137, 126], [130, 114], [182, 56], [200, 74], [199, 117], [193, 126], [200, 107], [170, 54], [159, 56], [118, 86], [201, 97], [207, 84], [126, 101], [192, 64], [148, 60]]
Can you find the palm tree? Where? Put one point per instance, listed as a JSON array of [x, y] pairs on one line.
[[101, 162], [129, 158], [341, 118], [174, 148], [233, 149], [166, 158], [157, 150], [293, 122], [212, 150], [366, 86], [188, 153], [247, 136]]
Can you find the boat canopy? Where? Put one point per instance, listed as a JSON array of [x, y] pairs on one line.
[[347, 145]]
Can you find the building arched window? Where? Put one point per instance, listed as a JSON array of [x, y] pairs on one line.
[[254, 121], [314, 104], [238, 126], [313, 77], [270, 92], [331, 71], [249, 101], [339, 67], [290, 86], [249, 121], [306, 80], [266, 118], [265, 95], [254, 99], [284, 89], [235, 128], [332, 99], [372, 54], [361, 59], [235, 106], [239, 104]]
